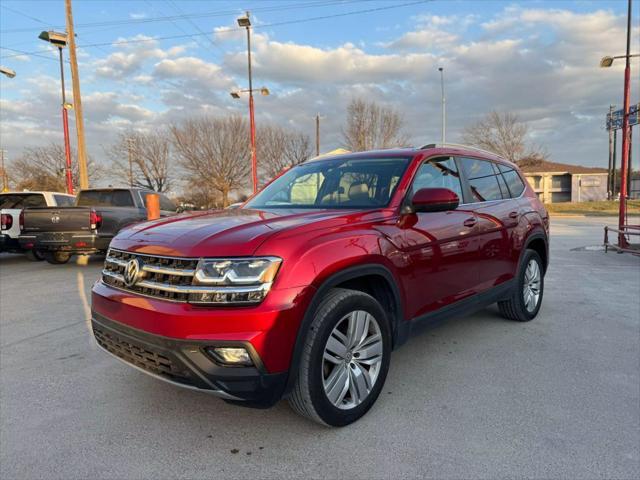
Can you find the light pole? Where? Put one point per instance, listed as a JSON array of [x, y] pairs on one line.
[[444, 106], [5, 183], [60, 41], [246, 23], [626, 131]]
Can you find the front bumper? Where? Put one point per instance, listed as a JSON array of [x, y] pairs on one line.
[[168, 340], [65, 242]]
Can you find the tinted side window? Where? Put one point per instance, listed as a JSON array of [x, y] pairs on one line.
[[482, 180], [514, 182], [438, 173], [105, 198], [166, 204]]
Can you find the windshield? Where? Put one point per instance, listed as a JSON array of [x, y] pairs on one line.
[[337, 183]]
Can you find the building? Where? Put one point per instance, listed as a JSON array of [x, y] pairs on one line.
[[560, 182]]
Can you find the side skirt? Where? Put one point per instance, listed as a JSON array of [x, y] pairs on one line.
[[471, 304]]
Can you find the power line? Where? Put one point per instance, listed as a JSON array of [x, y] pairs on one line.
[[24, 15], [185, 16], [264, 25], [30, 54]]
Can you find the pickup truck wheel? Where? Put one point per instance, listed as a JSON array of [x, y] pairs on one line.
[[525, 301], [345, 359], [34, 255], [57, 258]]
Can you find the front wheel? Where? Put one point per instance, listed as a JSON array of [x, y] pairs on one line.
[[345, 359], [57, 258], [524, 303]]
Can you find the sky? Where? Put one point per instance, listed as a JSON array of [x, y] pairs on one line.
[[146, 64]]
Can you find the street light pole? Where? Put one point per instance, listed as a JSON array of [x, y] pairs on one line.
[[246, 22], [317, 134], [444, 107], [65, 128], [624, 166]]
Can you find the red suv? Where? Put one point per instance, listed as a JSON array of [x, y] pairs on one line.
[[305, 290]]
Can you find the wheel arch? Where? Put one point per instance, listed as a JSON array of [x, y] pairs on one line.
[[374, 279], [538, 242]]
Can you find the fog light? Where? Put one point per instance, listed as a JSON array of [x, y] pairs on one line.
[[230, 355]]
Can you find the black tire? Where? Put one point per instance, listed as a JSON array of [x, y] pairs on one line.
[[514, 308], [34, 255], [308, 397], [57, 258]]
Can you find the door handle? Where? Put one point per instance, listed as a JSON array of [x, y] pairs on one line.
[[470, 222], [513, 215]]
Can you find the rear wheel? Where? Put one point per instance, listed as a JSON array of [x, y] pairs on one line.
[[57, 258], [345, 359], [525, 301], [34, 255]]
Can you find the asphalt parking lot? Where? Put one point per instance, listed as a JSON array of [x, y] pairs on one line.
[[478, 397]]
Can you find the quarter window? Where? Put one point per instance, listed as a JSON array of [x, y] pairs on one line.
[[514, 182], [438, 173], [482, 180]]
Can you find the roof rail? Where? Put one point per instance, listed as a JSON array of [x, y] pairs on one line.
[[457, 145]]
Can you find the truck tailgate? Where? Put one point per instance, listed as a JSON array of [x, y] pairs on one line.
[[57, 219]]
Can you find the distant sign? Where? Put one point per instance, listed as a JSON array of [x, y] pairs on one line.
[[614, 119]]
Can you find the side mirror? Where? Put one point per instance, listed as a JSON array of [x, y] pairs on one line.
[[434, 200]]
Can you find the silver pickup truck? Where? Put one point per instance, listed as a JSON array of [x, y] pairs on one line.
[[89, 225]]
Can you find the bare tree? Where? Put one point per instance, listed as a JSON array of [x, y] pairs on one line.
[[43, 168], [506, 135], [279, 148], [214, 152], [143, 159], [371, 126]]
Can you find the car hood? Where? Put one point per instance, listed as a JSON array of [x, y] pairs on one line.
[[221, 233]]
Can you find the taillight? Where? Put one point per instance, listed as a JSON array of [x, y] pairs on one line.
[[6, 221], [21, 220], [95, 219]]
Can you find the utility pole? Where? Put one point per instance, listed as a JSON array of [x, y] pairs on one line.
[[624, 165], [444, 106], [317, 134], [5, 182], [65, 129], [77, 102], [610, 174]]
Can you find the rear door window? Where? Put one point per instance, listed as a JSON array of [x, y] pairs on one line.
[[482, 179]]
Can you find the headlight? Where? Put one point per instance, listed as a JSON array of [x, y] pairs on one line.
[[234, 280]]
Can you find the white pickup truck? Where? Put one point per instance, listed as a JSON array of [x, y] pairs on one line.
[[11, 206]]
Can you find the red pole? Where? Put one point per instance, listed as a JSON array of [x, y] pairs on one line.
[[254, 160], [622, 241], [65, 129]]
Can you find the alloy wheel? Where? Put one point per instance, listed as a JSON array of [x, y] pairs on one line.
[[531, 287], [352, 359]]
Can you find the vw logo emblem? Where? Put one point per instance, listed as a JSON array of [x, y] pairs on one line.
[[55, 218], [132, 271]]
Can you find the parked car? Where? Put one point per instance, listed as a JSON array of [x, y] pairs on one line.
[[12, 204], [305, 290], [89, 225]]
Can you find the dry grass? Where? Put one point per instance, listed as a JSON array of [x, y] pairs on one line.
[[603, 208]]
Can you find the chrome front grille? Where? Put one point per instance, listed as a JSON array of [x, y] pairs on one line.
[[172, 278]]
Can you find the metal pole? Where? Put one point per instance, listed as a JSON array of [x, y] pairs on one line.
[[613, 166], [252, 123], [444, 107], [609, 174], [317, 134], [65, 129], [624, 165], [77, 102]]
